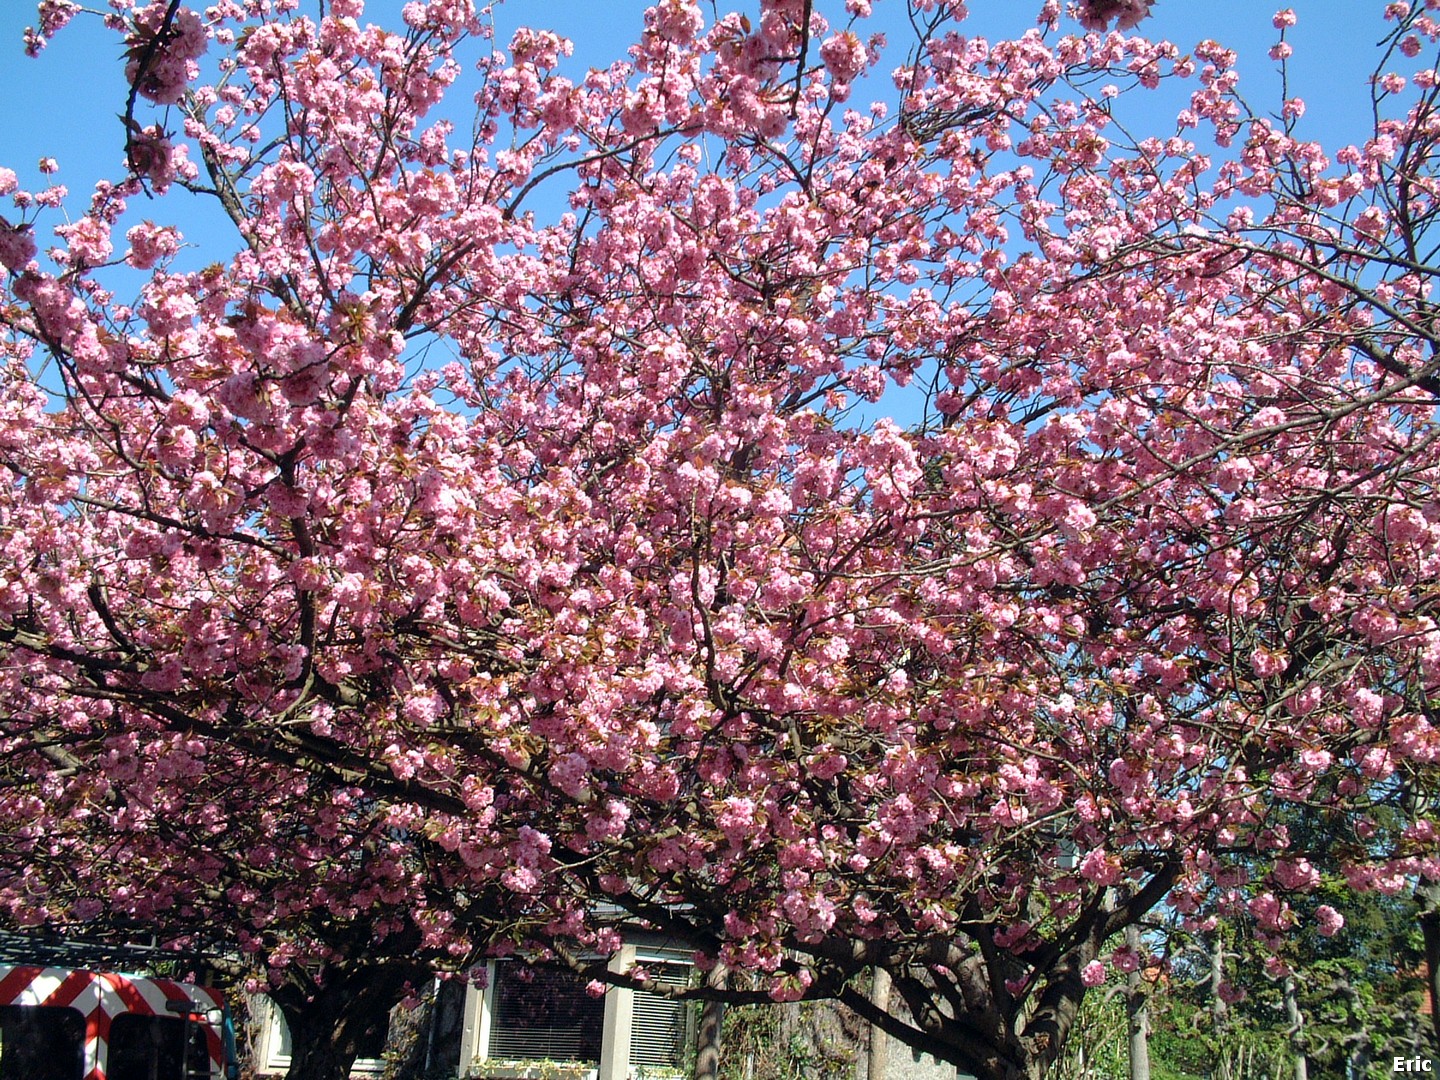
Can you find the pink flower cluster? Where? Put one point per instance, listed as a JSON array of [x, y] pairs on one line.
[[162, 50], [54, 16], [1127, 14]]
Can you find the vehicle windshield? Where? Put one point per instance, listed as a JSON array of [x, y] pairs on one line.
[[41, 1042]]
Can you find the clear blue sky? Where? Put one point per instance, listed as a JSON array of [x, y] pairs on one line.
[[64, 104]]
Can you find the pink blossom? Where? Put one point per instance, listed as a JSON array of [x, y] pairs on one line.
[[1296, 874], [1125, 959], [737, 818], [678, 21], [1268, 663], [153, 156], [167, 49], [571, 774], [16, 247], [1231, 994], [55, 15], [1100, 867], [1270, 913], [844, 56], [89, 240], [1328, 921], [149, 244], [528, 467], [1376, 762], [1096, 14]]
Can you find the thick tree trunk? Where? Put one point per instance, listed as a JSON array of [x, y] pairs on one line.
[[708, 1038], [328, 1021], [313, 1056], [707, 1055]]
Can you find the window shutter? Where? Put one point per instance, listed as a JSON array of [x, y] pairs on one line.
[[547, 1017], [660, 1029]]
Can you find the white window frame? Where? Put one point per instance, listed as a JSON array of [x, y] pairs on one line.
[[475, 1059]]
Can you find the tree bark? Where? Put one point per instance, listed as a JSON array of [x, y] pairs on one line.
[[1219, 1010], [328, 1019], [313, 1056], [708, 1038], [879, 1041], [1296, 1020], [1137, 1010], [1428, 897]]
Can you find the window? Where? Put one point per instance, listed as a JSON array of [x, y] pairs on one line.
[[155, 1048], [546, 1014], [660, 1026], [543, 1014], [41, 1042]]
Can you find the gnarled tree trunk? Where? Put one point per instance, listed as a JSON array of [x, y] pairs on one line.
[[329, 1017]]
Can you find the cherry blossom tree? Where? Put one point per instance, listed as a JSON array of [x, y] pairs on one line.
[[571, 552]]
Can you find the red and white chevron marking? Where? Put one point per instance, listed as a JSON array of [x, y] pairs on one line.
[[101, 996]]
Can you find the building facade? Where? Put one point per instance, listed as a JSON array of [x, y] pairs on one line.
[[519, 1023]]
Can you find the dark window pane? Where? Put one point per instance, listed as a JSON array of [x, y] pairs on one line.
[[151, 1048], [547, 1016], [41, 1042]]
